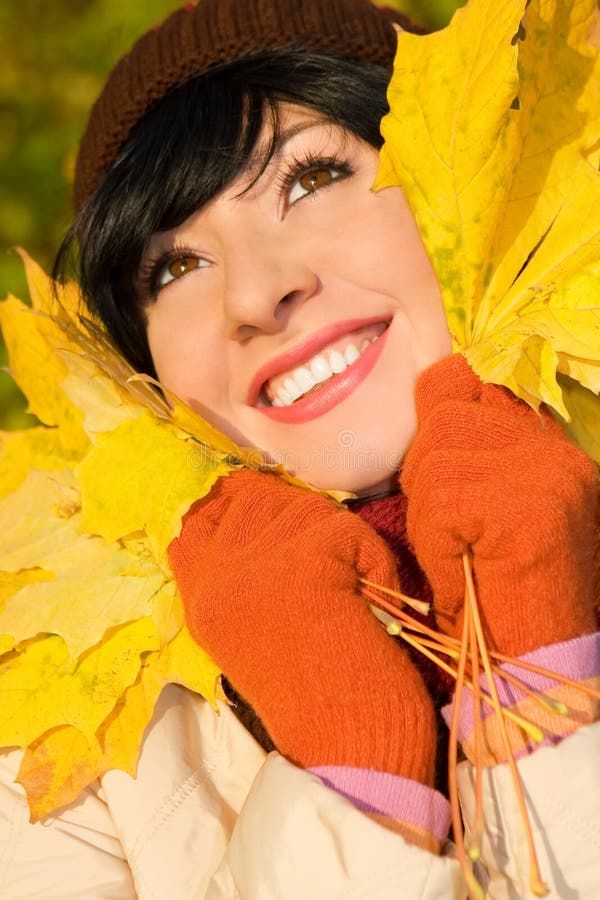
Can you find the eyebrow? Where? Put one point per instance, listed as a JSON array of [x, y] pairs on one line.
[[287, 134], [273, 148]]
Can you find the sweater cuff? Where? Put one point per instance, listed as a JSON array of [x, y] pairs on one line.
[[577, 659], [392, 796]]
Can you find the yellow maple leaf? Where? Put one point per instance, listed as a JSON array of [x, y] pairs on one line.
[[38, 371], [36, 448], [23, 675], [41, 529], [11, 582], [99, 398], [60, 764], [59, 693], [83, 659], [494, 136], [57, 768], [167, 613], [38, 681], [582, 424], [182, 662], [160, 473], [32, 341], [35, 519], [6, 643], [65, 302]]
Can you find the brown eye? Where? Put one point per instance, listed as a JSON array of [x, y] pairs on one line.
[[311, 180], [182, 265], [315, 179], [177, 268]]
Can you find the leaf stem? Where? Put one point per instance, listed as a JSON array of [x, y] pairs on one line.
[[534, 732], [477, 830], [538, 888], [475, 890], [548, 673], [420, 605]]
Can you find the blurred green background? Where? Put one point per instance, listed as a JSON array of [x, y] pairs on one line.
[[55, 57]]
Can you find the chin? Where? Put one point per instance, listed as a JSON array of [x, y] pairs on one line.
[[363, 484], [363, 460]]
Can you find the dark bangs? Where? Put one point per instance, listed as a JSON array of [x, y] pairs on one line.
[[194, 143]]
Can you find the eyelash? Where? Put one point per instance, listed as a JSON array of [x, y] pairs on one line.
[[296, 168], [285, 181], [152, 269]]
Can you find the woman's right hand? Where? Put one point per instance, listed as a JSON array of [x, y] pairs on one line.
[[269, 575], [488, 474]]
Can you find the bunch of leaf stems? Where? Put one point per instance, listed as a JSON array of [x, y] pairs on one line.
[[465, 660]]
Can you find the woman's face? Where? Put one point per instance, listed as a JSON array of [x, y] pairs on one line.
[[297, 314]]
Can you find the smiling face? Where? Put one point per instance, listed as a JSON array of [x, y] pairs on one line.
[[297, 313]]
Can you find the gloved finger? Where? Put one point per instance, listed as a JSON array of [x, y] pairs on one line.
[[246, 503], [439, 548], [539, 420], [374, 560], [451, 378]]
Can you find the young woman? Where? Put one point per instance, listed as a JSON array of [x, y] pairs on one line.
[[229, 240]]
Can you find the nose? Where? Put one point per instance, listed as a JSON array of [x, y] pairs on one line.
[[264, 282]]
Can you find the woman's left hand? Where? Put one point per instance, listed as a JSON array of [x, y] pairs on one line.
[[489, 474], [270, 578]]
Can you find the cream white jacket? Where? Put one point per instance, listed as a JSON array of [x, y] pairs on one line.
[[210, 817]]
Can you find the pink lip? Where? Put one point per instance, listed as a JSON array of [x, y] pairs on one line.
[[306, 349], [333, 391]]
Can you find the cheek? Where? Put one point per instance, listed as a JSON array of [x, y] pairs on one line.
[[408, 275], [182, 355], [378, 243], [164, 343], [432, 339]]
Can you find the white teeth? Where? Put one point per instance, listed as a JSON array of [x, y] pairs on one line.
[[292, 388], [320, 369], [317, 371], [304, 379], [285, 396], [337, 362], [351, 354]]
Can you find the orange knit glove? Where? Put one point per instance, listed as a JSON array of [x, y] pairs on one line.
[[268, 575], [487, 472]]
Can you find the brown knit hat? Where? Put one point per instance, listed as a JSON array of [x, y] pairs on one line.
[[199, 37]]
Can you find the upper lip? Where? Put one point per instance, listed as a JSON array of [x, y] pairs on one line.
[[305, 350]]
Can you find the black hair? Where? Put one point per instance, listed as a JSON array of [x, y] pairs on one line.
[[190, 146]]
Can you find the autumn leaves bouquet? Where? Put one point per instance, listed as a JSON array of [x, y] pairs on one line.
[[494, 136]]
